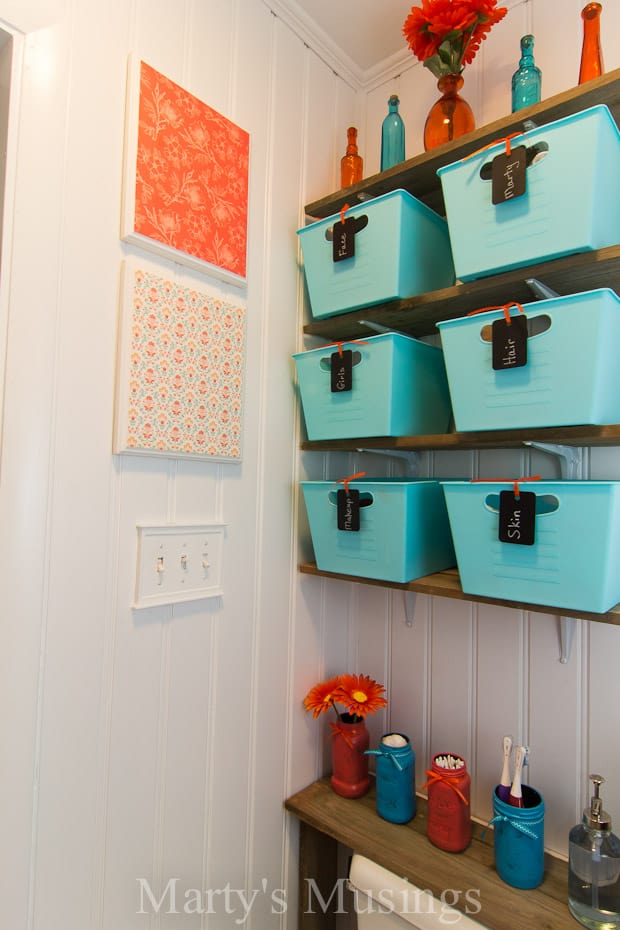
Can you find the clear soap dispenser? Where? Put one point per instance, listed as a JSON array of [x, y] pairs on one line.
[[594, 867]]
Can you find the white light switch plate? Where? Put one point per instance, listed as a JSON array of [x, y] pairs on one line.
[[178, 562]]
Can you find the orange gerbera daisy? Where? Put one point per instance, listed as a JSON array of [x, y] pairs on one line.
[[320, 698], [360, 694]]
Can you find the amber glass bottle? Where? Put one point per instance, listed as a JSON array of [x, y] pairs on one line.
[[351, 163], [591, 55]]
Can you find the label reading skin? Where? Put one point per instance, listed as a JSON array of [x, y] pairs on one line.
[[517, 518]]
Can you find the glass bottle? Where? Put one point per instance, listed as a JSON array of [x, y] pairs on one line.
[[396, 800], [591, 54], [527, 79], [351, 163], [594, 867], [448, 813], [392, 136]]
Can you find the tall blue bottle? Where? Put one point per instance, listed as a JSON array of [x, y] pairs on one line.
[[392, 136], [396, 800], [527, 79]]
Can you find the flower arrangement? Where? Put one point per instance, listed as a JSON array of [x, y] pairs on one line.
[[445, 35], [358, 694]]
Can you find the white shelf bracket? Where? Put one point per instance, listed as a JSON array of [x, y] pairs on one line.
[[410, 599], [570, 460], [412, 459]]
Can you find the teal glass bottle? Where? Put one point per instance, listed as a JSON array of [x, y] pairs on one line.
[[392, 136], [527, 79]]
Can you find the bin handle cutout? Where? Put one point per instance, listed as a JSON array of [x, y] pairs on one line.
[[545, 503], [365, 498], [534, 154], [326, 362], [361, 222], [535, 326]]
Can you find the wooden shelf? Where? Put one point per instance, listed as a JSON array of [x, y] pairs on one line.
[[417, 316], [448, 584], [492, 439], [418, 175], [328, 819]]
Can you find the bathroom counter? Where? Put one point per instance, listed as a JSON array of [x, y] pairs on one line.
[[326, 819]]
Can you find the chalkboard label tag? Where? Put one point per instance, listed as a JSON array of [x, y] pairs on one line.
[[509, 175], [509, 343], [517, 518], [348, 503], [343, 242], [342, 371]]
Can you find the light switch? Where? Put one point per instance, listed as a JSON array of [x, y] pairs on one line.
[[178, 562]]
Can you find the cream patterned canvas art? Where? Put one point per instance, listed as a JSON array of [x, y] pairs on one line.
[[180, 369]]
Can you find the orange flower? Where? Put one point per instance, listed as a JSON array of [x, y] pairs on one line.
[[360, 694], [320, 698], [446, 34]]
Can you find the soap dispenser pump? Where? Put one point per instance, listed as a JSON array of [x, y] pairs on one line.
[[594, 867]]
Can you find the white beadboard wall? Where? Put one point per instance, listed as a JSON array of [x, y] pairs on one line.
[[160, 745]]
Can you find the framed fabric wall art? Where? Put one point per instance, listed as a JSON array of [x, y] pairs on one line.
[[185, 190], [180, 369]]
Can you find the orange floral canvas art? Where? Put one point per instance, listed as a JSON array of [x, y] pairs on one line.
[[186, 180]]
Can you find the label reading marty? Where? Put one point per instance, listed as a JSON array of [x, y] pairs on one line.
[[509, 175]]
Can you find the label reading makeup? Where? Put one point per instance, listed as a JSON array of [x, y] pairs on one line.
[[509, 343], [342, 371], [343, 242], [348, 504], [509, 175], [517, 518]]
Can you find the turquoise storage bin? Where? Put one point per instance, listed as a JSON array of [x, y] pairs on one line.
[[404, 531], [399, 388], [573, 563], [571, 203], [571, 377], [403, 250], [519, 839]]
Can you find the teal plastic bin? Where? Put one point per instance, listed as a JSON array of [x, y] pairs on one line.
[[404, 530], [399, 388], [403, 250], [572, 375], [571, 203], [573, 562]]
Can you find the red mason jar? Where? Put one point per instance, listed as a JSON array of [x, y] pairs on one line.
[[350, 740], [448, 811]]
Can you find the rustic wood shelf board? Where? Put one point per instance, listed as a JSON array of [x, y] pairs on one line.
[[405, 850], [448, 584], [417, 316], [418, 175]]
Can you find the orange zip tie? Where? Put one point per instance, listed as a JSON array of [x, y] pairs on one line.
[[343, 211], [345, 481], [504, 307], [435, 777], [359, 342], [514, 481], [490, 145]]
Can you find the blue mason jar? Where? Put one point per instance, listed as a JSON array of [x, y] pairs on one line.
[[396, 800]]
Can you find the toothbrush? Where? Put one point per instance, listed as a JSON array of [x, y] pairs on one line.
[[516, 794], [503, 789]]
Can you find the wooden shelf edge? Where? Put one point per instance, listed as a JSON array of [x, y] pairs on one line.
[[448, 584], [405, 850], [418, 315], [607, 435]]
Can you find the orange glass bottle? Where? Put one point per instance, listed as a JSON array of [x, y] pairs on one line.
[[591, 54], [351, 164]]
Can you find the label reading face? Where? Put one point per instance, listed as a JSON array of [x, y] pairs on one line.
[[343, 242], [509, 343], [509, 175], [342, 371], [517, 518], [348, 505]]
